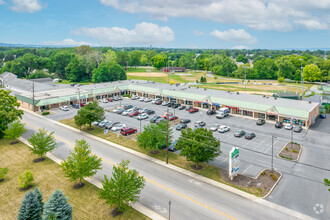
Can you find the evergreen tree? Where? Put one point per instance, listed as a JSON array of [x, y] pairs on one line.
[[57, 205], [38, 194], [31, 208]]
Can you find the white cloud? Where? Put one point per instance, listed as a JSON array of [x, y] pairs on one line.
[[68, 42], [232, 35], [198, 33], [2, 2], [312, 24], [26, 6], [143, 34], [280, 15], [240, 47]]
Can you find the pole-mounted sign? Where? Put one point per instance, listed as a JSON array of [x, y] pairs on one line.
[[233, 162]]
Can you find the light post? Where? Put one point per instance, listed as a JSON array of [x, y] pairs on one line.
[[302, 75], [169, 210], [166, 136], [272, 166], [291, 137], [245, 67], [78, 98]]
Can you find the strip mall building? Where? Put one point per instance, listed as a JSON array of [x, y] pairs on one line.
[[251, 106]]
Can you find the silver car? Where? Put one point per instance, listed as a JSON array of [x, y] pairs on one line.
[[142, 116], [127, 112], [118, 127], [223, 128], [214, 127]]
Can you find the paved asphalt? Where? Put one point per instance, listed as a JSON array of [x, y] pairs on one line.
[[191, 199], [301, 188]]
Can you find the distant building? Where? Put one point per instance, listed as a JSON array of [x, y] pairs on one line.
[[174, 69], [7, 77]]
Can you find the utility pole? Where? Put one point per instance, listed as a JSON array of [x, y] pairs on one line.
[[245, 67], [169, 210], [272, 166], [33, 106], [291, 137], [78, 98], [167, 136]]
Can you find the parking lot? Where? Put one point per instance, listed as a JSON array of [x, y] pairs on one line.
[[255, 154]]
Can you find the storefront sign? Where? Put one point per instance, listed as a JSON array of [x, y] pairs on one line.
[[215, 104], [233, 162]]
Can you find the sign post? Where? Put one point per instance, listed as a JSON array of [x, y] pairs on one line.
[[233, 162], [106, 131]]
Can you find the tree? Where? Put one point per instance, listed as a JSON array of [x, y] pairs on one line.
[[38, 194], [148, 140], [241, 58], [79, 121], [60, 61], [312, 73], [108, 72], [3, 172], [327, 183], [58, 206], [89, 113], [123, 188], [9, 111], [280, 79], [15, 130], [25, 179], [264, 69], [159, 61], [198, 145], [31, 208], [81, 163], [135, 57], [76, 70], [42, 143], [285, 67]]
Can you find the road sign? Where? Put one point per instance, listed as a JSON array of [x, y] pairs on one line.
[[233, 162], [106, 131]]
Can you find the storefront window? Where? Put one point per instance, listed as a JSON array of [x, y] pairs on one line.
[[247, 113], [298, 122], [261, 115], [236, 111], [286, 120], [272, 117]]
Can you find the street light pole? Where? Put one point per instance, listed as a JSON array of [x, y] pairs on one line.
[[167, 136], [272, 151], [245, 67], [78, 98], [169, 210]]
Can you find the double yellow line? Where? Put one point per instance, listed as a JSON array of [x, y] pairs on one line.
[[151, 181]]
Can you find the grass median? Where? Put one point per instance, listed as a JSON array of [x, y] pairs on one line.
[[48, 177], [208, 170]]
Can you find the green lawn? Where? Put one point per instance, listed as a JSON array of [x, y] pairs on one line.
[[48, 177], [140, 70]]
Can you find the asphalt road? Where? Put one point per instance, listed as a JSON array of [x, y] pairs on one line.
[[191, 199], [301, 188]]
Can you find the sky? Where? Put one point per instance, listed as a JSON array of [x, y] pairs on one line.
[[213, 24]]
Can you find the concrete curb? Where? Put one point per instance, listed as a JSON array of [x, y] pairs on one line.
[[187, 173], [278, 154], [271, 190], [137, 206]]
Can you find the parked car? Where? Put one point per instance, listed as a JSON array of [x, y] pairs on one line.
[[193, 110], [118, 127], [149, 111], [260, 121], [198, 127], [134, 113], [182, 107], [214, 127], [103, 123], [211, 112], [142, 110], [322, 116], [82, 104], [249, 135], [142, 116], [110, 99], [134, 97], [239, 133], [147, 100], [278, 124], [111, 124], [153, 119], [223, 129], [104, 100], [128, 107], [115, 98], [181, 126], [176, 105], [170, 104], [200, 123], [297, 128], [128, 130], [165, 104], [159, 120], [75, 106], [64, 108], [172, 117], [188, 108], [118, 109], [185, 121], [127, 112], [141, 99], [166, 115], [171, 147], [159, 102], [288, 126], [95, 123], [154, 101]]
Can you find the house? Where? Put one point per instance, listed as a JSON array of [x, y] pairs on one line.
[[7, 77]]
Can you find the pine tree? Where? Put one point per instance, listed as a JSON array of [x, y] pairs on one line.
[[38, 194], [30, 208], [57, 205]]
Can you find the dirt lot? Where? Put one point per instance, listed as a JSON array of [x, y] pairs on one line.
[[152, 74], [290, 151]]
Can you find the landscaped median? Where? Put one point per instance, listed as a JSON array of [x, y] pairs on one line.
[[48, 176], [259, 186], [291, 151]]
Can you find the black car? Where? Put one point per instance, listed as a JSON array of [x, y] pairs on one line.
[[160, 120], [185, 121], [239, 133], [249, 135], [170, 104], [297, 128], [278, 124], [171, 147], [211, 112], [261, 121], [128, 107], [181, 126], [75, 106], [182, 107], [177, 105], [154, 119], [149, 111]]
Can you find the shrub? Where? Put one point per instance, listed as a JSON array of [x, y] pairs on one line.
[[3, 172], [273, 176], [45, 113], [295, 151], [280, 79], [215, 77], [25, 179], [263, 172], [60, 80], [286, 148]]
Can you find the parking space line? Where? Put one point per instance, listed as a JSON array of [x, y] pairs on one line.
[[271, 146], [247, 168]]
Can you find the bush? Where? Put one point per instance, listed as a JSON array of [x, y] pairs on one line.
[[60, 80], [45, 113], [25, 179], [286, 148], [263, 172], [215, 77], [280, 79], [273, 176], [295, 151], [3, 172]]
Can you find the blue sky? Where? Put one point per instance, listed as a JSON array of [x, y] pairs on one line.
[[270, 24]]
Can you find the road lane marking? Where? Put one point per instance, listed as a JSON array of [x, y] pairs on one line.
[[151, 181]]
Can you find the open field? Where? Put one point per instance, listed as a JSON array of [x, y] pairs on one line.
[[152, 74], [48, 177]]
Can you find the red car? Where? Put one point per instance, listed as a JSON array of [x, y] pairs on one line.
[[126, 131], [166, 115], [159, 102], [82, 104], [133, 113], [193, 110], [110, 99], [172, 117]]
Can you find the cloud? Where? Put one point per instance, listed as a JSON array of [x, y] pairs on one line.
[[240, 47], [232, 35], [26, 6], [142, 34], [68, 42], [312, 24], [198, 33], [280, 15], [2, 2]]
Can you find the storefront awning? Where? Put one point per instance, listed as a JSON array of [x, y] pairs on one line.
[[198, 102], [205, 103], [215, 104], [169, 97]]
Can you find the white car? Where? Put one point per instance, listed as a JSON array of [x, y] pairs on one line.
[[134, 97], [147, 100], [214, 127], [118, 127], [141, 99], [142, 110], [154, 101], [223, 129], [104, 100], [117, 110], [126, 112], [143, 116], [64, 108], [288, 126]]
